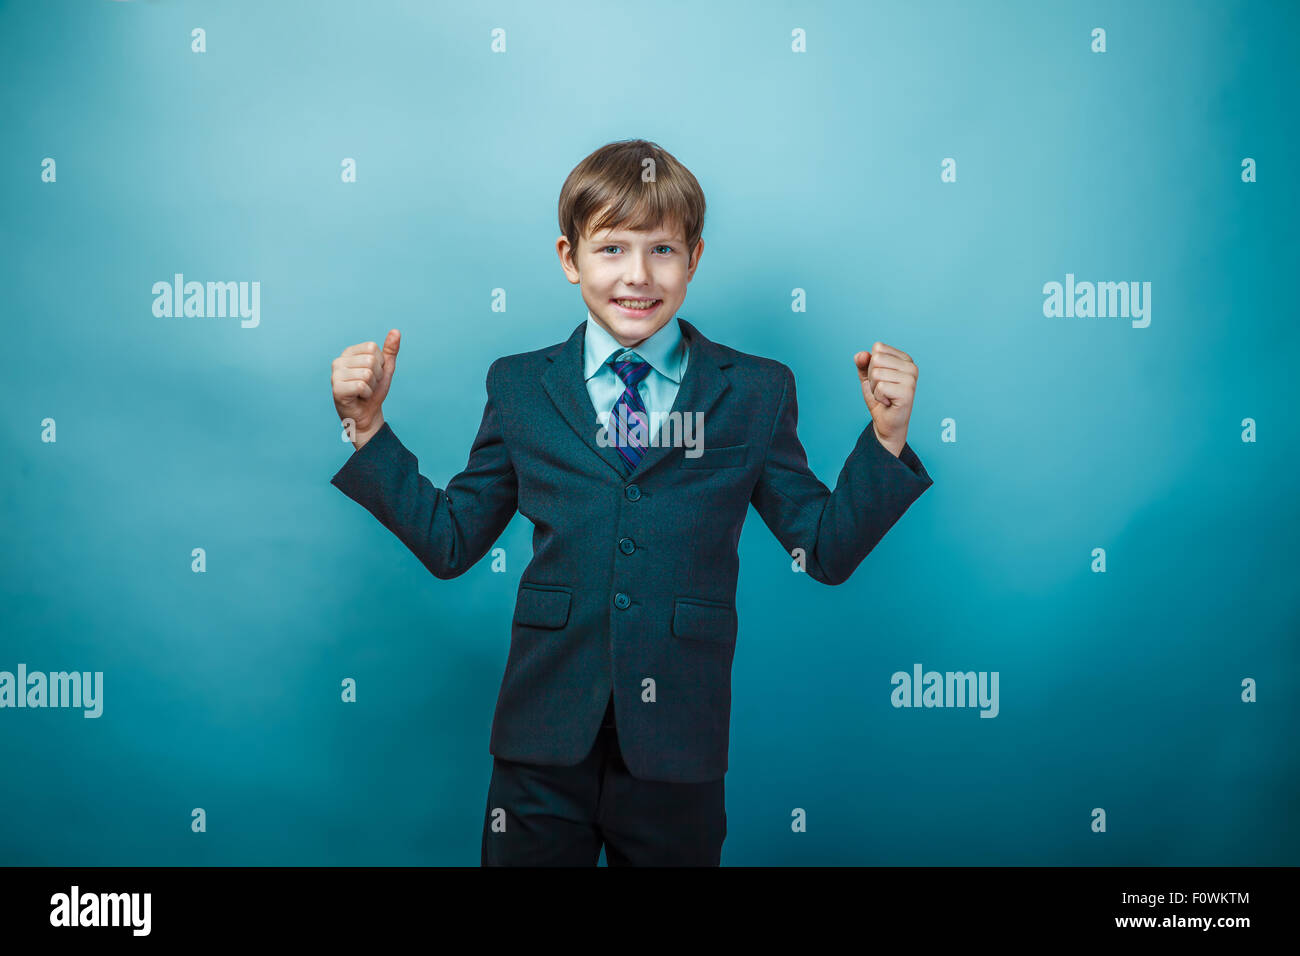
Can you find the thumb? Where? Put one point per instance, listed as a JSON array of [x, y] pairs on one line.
[[391, 344], [863, 361]]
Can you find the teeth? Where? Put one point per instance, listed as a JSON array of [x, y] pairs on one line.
[[636, 303]]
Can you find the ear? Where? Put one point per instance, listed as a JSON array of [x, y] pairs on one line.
[[695, 259], [567, 262]]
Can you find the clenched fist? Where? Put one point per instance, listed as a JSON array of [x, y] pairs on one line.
[[360, 379], [888, 377]]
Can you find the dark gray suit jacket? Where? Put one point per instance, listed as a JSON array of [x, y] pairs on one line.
[[632, 584]]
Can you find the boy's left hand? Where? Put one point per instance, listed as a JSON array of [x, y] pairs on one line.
[[888, 378]]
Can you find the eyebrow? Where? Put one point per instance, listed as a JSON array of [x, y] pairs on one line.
[[623, 238]]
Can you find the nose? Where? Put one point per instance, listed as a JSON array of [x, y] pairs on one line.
[[637, 274]]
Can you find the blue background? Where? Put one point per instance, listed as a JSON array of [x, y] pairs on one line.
[[1118, 690]]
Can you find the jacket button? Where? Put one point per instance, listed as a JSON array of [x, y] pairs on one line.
[[621, 600], [626, 545], [633, 492]]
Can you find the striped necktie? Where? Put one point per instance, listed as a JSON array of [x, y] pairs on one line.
[[628, 411]]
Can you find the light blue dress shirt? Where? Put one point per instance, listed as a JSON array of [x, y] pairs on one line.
[[666, 351]]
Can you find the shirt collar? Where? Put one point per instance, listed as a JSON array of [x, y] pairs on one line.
[[663, 350]]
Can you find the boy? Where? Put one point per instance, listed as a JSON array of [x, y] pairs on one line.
[[612, 722]]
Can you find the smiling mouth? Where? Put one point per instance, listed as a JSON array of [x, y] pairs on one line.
[[636, 305]]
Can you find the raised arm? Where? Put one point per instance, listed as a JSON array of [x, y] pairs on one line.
[[836, 529], [448, 530]]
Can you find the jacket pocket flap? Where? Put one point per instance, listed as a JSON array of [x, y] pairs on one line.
[[727, 457], [704, 620], [538, 607]]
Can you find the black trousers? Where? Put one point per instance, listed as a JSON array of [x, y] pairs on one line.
[[561, 816]]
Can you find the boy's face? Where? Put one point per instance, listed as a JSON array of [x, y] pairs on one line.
[[614, 266]]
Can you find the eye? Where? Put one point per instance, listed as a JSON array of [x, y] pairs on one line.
[[664, 246], [607, 248]]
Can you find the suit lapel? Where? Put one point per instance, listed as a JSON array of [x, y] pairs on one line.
[[563, 381], [702, 385]]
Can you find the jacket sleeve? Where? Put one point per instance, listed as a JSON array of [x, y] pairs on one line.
[[836, 529], [448, 530]]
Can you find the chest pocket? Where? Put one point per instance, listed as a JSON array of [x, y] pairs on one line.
[[728, 456]]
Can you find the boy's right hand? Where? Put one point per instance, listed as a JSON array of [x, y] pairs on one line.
[[360, 379]]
